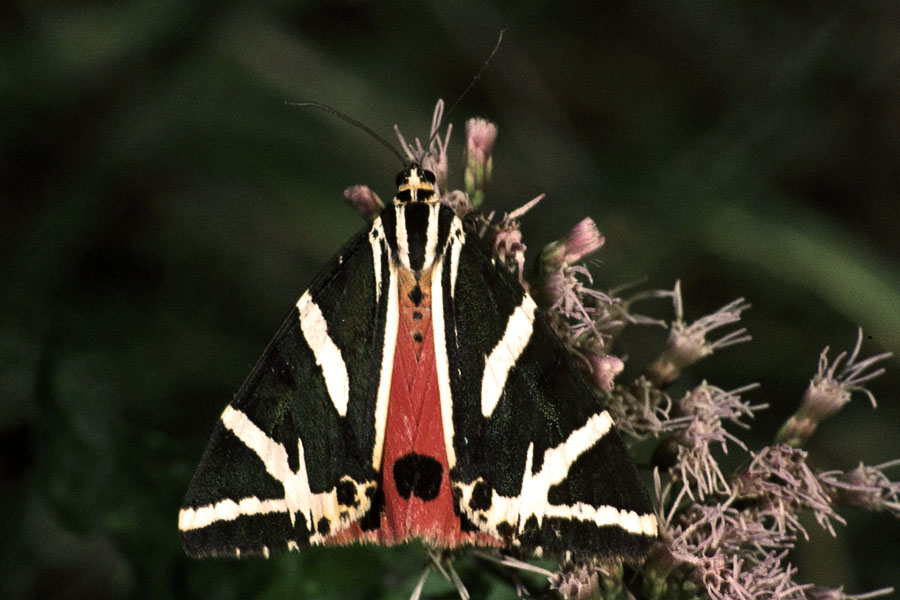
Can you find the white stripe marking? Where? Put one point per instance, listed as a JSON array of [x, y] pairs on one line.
[[297, 495], [431, 235], [227, 510], [402, 240], [455, 248], [377, 245], [505, 354], [533, 498], [298, 498], [328, 355], [391, 324], [440, 360]]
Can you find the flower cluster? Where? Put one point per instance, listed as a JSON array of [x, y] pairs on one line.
[[723, 534]]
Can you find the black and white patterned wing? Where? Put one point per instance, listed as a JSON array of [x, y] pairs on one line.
[[535, 459], [295, 457]]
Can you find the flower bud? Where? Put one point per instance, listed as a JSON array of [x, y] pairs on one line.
[[363, 199], [604, 368], [480, 138], [582, 240]]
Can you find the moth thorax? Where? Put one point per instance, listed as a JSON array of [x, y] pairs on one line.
[[417, 235], [415, 184]]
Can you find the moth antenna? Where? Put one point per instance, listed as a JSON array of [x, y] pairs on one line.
[[472, 83], [354, 122]]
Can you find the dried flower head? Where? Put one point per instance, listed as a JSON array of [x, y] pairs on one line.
[[700, 422], [779, 484], [687, 343], [822, 593], [576, 583], [602, 370], [639, 409], [829, 390], [458, 200], [433, 156], [507, 240], [864, 487]]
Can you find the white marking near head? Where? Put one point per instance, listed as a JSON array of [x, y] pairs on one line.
[[402, 239], [414, 180], [431, 235], [377, 243]]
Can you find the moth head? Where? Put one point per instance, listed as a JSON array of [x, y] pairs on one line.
[[415, 184]]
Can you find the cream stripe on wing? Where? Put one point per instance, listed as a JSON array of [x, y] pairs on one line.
[[298, 497], [440, 359], [534, 498], [391, 322], [505, 354], [402, 240], [227, 510], [457, 239], [376, 242], [431, 235], [328, 355]]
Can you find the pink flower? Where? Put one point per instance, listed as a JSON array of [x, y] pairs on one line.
[[700, 424], [584, 239], [363, 199], [829, 391], [480, 138], [603, 370], [507, 245], [780, 485], [864, 487], [687, 343], [507, 241]]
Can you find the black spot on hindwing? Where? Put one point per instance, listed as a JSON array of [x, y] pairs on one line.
[[346, 494], [372, 519], [419, 475], [324, 527], [481, 497]]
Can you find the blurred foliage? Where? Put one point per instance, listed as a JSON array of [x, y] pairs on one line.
[[161, 208]]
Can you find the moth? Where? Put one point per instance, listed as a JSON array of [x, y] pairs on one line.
[[416, 391]]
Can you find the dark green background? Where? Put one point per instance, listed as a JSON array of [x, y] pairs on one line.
[[162, 209]]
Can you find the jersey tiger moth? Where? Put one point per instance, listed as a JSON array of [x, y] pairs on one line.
[[416, 391]]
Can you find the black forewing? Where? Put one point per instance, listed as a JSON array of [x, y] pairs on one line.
[[285, 396], [545, 399]]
